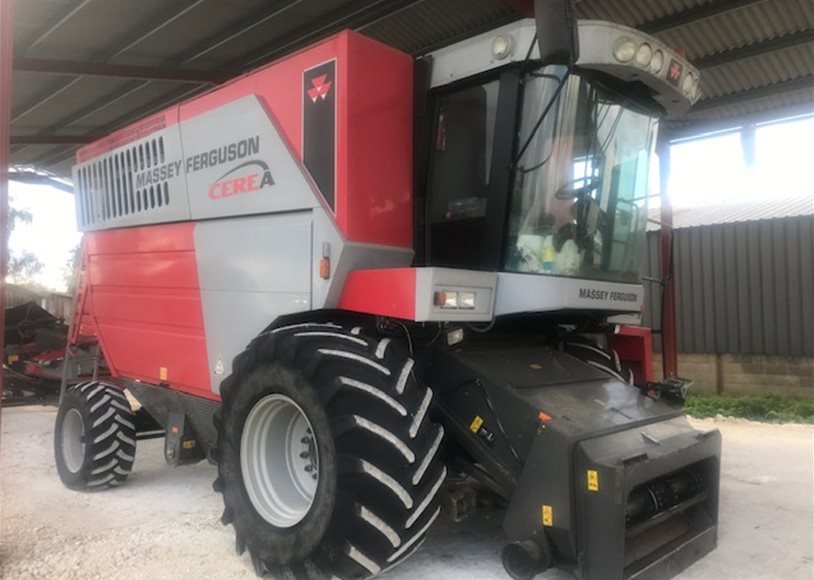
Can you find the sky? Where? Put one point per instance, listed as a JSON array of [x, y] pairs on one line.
[[52, 234], [708, 171]]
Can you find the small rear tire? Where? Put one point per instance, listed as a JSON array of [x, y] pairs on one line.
[[94, 437]]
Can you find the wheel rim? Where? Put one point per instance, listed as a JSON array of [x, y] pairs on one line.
[[279, 460], [73, 440]]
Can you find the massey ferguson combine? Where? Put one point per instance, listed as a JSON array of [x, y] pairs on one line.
[[352, 278]]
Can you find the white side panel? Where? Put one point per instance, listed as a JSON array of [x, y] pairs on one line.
[[251, 270], [538, 293], [237, 163]]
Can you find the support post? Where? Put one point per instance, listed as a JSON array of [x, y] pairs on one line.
[[669, 347], [6, 50]]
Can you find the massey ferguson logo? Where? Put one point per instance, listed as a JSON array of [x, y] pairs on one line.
[[245, 178], [320, 89]]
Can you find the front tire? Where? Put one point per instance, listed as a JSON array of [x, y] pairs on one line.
[[318, 404], [94, 437]]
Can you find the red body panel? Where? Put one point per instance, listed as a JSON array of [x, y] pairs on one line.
[[146, 304], [634, 344], [386, 292]]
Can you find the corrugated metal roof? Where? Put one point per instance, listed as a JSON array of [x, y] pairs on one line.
[[735, 212], [234, 34]]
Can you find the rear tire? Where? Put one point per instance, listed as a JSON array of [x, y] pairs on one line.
[[375, 453], [94, 437]]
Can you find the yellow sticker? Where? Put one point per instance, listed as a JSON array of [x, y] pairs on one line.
[[13, 358], [548, 516], [476, 423], [188, 444], [162, 373], [593, 480]]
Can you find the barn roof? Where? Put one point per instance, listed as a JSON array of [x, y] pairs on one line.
[[86, 67]]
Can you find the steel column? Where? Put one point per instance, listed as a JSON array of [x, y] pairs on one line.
[[6, 50], [669, 349]]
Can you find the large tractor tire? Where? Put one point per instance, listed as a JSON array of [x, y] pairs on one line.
[[94, 437], [604, 359], [328, 461]]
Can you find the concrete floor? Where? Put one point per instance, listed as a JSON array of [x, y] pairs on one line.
[[164, 523]]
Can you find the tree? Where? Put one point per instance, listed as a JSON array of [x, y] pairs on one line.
[[69, 271], [22, 266]]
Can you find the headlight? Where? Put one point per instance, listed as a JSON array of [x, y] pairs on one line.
[[624, 50], [657, 62], [644, 54]]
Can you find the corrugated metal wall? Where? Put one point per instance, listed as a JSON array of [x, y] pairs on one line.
[[741, 288]]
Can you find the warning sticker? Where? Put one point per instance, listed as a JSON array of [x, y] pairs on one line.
[[593, 480], [162, 373], [548, 516], [476, 424]]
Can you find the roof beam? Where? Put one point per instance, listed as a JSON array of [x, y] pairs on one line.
[[54, 157], [101, 69], [696, 14], [783, 87], [755, 49], [48, 139]]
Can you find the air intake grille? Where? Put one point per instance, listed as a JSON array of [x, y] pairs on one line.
[[106, 187]]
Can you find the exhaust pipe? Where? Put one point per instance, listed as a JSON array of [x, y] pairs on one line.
[[524, 560]]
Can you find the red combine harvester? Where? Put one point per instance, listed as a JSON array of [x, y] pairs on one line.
[[354, 281]]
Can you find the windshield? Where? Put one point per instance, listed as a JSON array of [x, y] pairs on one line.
[[579, 203]]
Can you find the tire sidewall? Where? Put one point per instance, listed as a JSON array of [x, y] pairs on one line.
[[300, 540], [78, 479]]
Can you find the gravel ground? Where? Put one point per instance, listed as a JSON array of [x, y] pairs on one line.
[[163, 524]]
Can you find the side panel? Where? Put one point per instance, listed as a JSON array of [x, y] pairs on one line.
[[252, 270], [145, 300], [238, 164]]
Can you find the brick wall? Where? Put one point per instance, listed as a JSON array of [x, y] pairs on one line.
[[745, 374]]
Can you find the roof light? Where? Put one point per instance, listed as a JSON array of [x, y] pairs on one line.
[[624, 50], [657, 62], [687, 85], [502, 46], [644, 54]]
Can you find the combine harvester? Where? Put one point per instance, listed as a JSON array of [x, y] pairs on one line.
[[351, 279]]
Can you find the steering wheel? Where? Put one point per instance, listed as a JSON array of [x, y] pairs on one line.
[[571, 191]]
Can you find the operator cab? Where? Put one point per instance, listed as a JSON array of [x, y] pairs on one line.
[[543, 169]]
